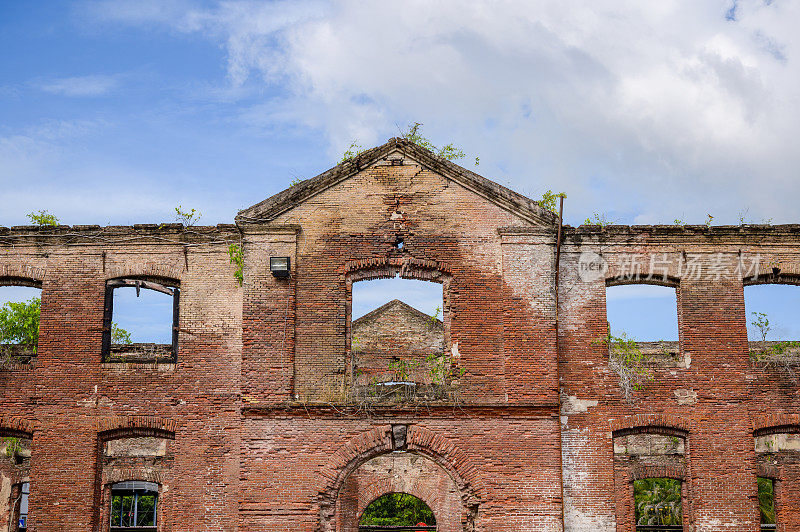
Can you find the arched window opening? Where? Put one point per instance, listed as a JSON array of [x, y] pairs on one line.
[[655, 457], [134, 506], [15, 464], [766, 503], [777, 451], [399, 335], [20, 311], [140, 321], [658, 505], [394, 510]]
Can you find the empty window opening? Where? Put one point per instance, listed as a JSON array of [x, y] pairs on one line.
[[642, 312], [658, 504], [773, 312], [766, 503], [141, 321], [397, 510], [773, 330], [15, 462], [398, 332], [134, 504], [20, 310], [22, 512]]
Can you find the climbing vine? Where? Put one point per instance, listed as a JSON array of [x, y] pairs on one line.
[[628, 362], [236, 254]]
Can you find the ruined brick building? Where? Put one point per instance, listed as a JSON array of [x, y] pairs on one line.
[[259, 416]]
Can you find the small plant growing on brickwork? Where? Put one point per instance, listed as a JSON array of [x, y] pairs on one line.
[[402, 369], [742, 216], [549, 200], [120, 335], [352, 152], [187, 218], [784, 355], [761, 323], [599, 219], [294, 182], [448, 151], [236, 254], [679, 222], [11, 445], [435, 317], [628, 362], [709, 219], [43, 219]]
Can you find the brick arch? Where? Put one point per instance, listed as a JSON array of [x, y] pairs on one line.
[[642, 271], [16, 427], [114, 427], [22, 275], [775, 424], [642, 471], [657, 280], [405, 267], [774, 472], [146, 270], [658, 423], [382, 440], [789, 274], [121, 475]]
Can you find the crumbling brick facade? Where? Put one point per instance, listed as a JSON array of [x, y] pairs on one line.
[[253, 426]]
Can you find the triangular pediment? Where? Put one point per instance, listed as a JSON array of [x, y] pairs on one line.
[[395, 148]]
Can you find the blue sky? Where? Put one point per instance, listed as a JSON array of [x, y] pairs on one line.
[[116, 111]]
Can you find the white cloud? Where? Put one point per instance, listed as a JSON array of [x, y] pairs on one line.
[[81, 86], [651, 110]]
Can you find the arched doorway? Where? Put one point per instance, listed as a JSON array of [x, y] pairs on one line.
[[415, 476], [393, 510]]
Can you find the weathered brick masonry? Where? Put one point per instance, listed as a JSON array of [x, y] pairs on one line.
[[253, 426]]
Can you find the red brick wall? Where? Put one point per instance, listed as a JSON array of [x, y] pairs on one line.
[[263, 433]]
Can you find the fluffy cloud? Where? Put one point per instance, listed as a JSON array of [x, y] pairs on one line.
[[648, 110]]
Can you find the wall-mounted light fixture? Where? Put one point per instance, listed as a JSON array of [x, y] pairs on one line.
[[279, 266]]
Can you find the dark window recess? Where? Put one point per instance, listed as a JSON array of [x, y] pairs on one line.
[[119, 347], [766, 503], [134, 506], [22, 520], [658, 504]]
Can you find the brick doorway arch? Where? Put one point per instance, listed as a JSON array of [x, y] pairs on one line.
[[400, 472], [399, 458]]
